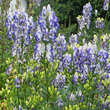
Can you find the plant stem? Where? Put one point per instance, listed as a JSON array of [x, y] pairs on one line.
[[46, 73]]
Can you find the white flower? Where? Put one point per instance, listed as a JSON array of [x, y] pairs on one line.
[[21, 7], [72, 97], [12, 8], [96, 12]]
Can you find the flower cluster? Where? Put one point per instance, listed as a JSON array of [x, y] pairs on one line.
[[106, 5], [60, 102], [47, 29], [91, 60], [100, 23], [60, 46], [19, 31], [67, 61], [77, 70], [47, 25], [85, 20], [73, 40], [59, 81]]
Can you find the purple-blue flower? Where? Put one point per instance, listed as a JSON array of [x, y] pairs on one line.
[[20, 108], [85, 20], [100, 23], [17, 82], [59, 81], [48, 25], [106, 5], [19, 28]]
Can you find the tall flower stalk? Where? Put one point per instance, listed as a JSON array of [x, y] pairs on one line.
[[45, 35], [19, 29], [85, 19]]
